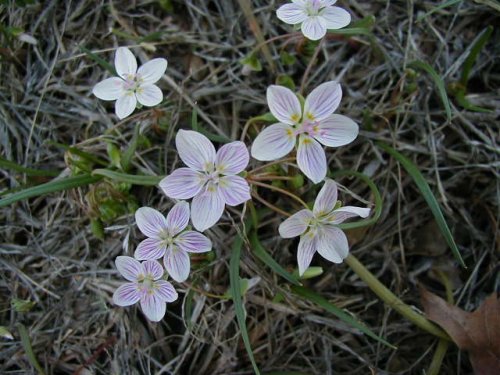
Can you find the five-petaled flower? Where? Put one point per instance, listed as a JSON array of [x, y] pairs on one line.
[[316, 16], [144, 286], [133, 85], [168, 238], [316, 123], [210, 179], [318, 229]]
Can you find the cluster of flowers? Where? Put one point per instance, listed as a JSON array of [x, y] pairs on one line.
[[213, 179]]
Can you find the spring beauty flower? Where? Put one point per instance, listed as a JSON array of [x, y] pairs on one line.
[[144, 286], [210, 177], [318, 229], [315, 16], [168, 238], [316, 125], [133, 85]]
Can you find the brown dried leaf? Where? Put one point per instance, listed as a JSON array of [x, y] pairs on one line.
[[477, 332]]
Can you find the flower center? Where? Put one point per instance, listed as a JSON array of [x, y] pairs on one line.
[[310, 128], [133, 83]]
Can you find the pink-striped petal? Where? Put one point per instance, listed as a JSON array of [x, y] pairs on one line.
[[332, 244], [314, 28], [183, 183], [311, 159], [109, 89], [126, 294], [153, 307], [125, 62], [150, 248], [306, 250], [284, 104], [335, 17], [193, 242], [322, 101], [165, 291], [234, 189], [343, 213], [325, 3], [207, 208], [296, 224], [151, 222], [292, 13], [326, 199], [232, 158], [152, 269], [337, 130], [178, 218], [273, 142], [177, 264], [195, 150], [128, 267], [125, 105], [152, 71], [149, 95]]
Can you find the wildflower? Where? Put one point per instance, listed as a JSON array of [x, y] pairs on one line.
[[210, 179], [316, 16], [168, 239], [133, 85], [145, 287], [316, 124], [318, 229]]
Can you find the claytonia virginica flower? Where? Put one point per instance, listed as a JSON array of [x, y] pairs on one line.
[[316, 16], [168, 239], [210, 179], [144, 286], [317, 228], [314, 125], [133, 85]]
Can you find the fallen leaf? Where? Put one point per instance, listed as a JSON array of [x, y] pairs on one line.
[[476, 332]]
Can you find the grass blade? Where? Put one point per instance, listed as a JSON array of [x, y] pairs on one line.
[[129, 152], [7, 164], [339, 313], [26, 342], [446, 4], [129, 178], [426, 191], [439, 84], [106, 65], [477, 46], [234, 277], [50, 187]]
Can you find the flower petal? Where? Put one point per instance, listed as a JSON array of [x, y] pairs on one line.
[[152, 269], [150, 248], [126, 294], [343, 213], [337, 130], [151, 222], [292, 13], [327, 198], [314, 28], [234, 189], [193, 242], [125, 105], [322, 101], [109, 89], [296, 224], [232, 158], [153, 307], [311, 159], [195, 150], [183, 183], [207, 208], [326, 3], [178, 218], [149, 95], [125, 62], [177, 264], [335, 17], [332, 244], [128, 267], [284, 104], [306, 250], [152, 71], [165, 291], [273, 142]]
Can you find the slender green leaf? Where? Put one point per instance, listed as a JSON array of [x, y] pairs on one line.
[[7, 164], [50, 187], [234, 277], [426, 191], [464, 103], [129, 152], [439, 7], [26, 342], [476, 48], [106, 65], [439, 84], [82, 154], [339, 313], [129, 178]]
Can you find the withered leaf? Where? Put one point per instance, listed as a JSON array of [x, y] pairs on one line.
[[476, 332]]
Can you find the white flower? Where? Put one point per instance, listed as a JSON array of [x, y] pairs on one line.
[[316, 16], [133, 85]]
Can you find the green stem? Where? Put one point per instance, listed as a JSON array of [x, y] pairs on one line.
[[392, 300]]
